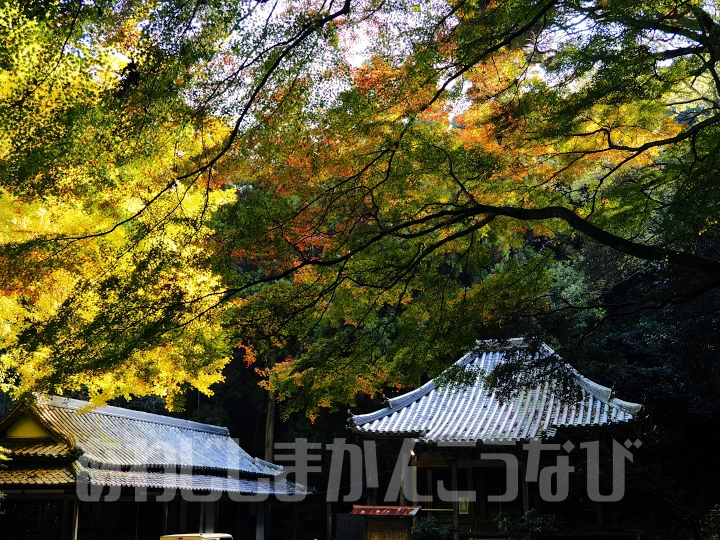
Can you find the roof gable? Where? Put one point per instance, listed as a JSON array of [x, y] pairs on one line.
[[25, 427], [475, 413]]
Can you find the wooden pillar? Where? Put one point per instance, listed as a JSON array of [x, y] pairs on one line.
[[430, 490], [329, 524], [524, 484], [413, 482], [65, 526], [239, 507], [74, 520], [260, 521], [403, 480], [413, 486], [165, 518], [183, 516], [137, 519], [267, 512], [599, 515], [455, 502], [471, 503], [207, 516], [482, 493]]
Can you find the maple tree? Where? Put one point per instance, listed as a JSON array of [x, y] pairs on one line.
[[221, 176]]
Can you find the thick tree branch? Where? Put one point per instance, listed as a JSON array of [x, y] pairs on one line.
[[634, 249]]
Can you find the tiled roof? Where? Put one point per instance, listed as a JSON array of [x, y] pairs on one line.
[[475, 413], [109, 440], [196, 482], [31, 448], [66, 475], [34, 476], [120, 437]]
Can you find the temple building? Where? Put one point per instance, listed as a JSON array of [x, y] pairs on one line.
[[82, 473], [452, 425]]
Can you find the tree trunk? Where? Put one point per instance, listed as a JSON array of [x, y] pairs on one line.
[[270, 427]]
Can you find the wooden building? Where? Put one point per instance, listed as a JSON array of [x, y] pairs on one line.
[[454, 425], [151, 474]]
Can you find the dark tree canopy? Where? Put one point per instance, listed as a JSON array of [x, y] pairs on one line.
[[362, 189]]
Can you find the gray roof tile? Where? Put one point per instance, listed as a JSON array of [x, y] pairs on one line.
[[31, 448], [37, 476], [119, 437], [475, 413], [159, 480]]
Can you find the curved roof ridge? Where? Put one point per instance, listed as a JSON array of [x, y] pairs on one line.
[[381, 421], [403, 400], [597, 389], [632, 408], [605, 393]]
